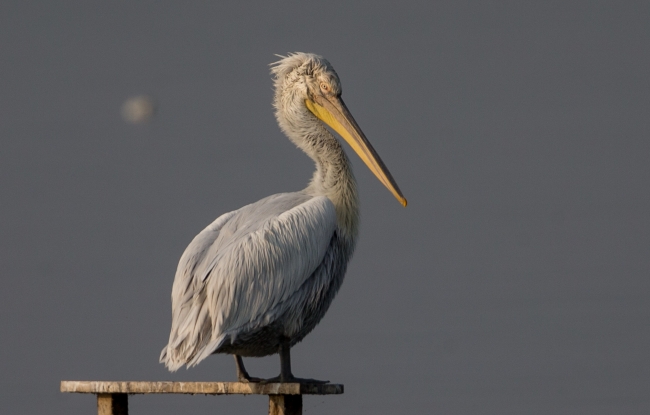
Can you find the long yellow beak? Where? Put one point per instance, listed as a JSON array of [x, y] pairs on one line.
[[333, 112]]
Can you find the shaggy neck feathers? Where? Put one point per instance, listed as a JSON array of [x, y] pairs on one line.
[[333, 177]]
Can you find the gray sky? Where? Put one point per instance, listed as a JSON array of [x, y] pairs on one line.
[[516, 281]]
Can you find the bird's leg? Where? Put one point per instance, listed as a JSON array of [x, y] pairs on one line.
[[242, 374], [285, 366], [285, 360]]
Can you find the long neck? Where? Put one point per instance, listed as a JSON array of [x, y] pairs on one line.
[[333, 177]]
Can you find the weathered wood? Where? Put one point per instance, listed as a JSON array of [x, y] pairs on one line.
[[208, 388], [284, 398], [112, 404], [285, 404]]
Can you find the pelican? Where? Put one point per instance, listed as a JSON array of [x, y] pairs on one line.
[[258, 279]]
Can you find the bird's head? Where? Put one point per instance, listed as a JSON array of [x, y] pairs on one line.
[[310, 80], [305, 74]]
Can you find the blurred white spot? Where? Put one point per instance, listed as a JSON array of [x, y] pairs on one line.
[[138, 109]]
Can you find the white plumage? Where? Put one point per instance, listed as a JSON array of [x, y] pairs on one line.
[[257, 280]]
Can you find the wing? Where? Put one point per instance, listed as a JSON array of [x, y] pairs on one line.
[[241, 268]]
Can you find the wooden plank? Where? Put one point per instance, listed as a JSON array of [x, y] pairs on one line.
[[112, 404], [207, 388], [285, 404]]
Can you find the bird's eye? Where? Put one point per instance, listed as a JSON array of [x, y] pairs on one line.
[[324, 87]]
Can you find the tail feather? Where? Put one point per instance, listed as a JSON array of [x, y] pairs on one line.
[[174, 357]]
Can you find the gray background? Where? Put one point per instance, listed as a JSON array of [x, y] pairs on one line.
[[515, 282]]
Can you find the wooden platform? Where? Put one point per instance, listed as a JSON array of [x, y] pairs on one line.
[[284, 398]]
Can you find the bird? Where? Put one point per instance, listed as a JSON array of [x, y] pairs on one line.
[[257, 280]]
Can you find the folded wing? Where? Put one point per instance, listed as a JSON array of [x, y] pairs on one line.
[[243, 269]]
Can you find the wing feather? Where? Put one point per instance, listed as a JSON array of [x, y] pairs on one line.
[[242, 268]]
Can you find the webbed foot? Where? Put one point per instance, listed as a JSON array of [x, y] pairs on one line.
[[293, 379], [249, 379], [242, 374]]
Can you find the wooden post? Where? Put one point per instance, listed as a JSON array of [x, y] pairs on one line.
[[285, 404], [284, 398], [112, 404]]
